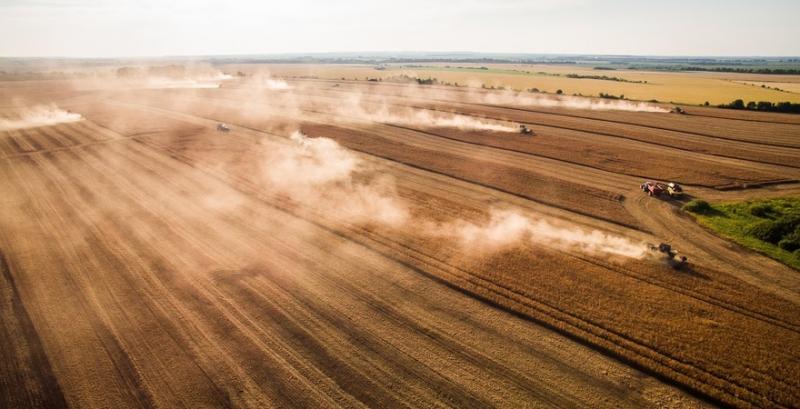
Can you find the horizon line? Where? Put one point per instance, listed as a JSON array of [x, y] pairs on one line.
[[389, 54]]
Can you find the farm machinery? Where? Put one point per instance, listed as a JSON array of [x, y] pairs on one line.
[[652, 188], [674, 189], [524, 130], [677, 110], [672, 257], [223, 128], [671, 189]]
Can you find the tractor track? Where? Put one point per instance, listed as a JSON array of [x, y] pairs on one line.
[[344, 236], [594, 118], [739, 162], [642, 141], [208, 305], [427, 169], [416, 166], [518, 296], [690, 113], [705, 135], [494, 289], [741, 263], [638, 140]]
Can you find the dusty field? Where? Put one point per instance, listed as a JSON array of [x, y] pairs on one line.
[[411, 250]]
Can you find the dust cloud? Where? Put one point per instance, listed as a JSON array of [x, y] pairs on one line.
[[507, 227], [377, 110], [569, 102], [171, 76], [202, 81], [262, 80], [319, 173], [417, 117], [273, 84], [40, 115]]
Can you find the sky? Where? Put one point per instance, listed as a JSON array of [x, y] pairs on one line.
[[131, 28]]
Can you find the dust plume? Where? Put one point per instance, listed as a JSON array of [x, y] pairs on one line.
[[270, 83], [321, 174], [263, 80], [377, 110], [569, 102], [508, 227], [40, 115], [171, 76], [202, 81], [275, 84], [417, 117]]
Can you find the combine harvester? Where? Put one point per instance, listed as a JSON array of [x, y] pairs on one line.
[[674, 190], [677, 262], [656, 189], [223, 128], [524, 130]]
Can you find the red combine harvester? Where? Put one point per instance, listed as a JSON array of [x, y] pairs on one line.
[[652, 188], [656, 189]]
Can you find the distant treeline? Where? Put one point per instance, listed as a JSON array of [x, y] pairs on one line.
[[766, 106], [404, 79], [609, 96], [745, 70], [776, 71], [603, 77]]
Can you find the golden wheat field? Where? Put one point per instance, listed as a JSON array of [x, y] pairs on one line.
[[678, 87]]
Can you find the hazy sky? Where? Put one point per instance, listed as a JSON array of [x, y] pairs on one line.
[[97, 28]]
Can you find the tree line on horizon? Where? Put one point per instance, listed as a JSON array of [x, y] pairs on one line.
[[766, 106]]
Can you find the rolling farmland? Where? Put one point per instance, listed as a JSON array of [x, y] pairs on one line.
[[377, 245], [680, 87]]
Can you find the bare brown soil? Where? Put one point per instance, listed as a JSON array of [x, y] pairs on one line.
[[147, 264]]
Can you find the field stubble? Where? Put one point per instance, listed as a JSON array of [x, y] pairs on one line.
[[187, 281]]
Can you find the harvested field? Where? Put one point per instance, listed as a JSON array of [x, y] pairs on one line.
[[342, 247], [766, 129], [682, 87]]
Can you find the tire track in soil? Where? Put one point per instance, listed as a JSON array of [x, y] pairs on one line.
[[26, 376], [546, 112], [754, 164], [710, 136], [158, 217], [346, 238], [644, 141], [129, 246], [550, 203], [730, 306], [475, 357], [125, 369], [594, 328], [662, 220]]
